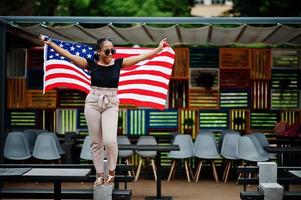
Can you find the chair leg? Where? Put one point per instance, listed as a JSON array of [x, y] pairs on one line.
[[138, 170], [214, 171], [171, 170], [130, 172], [187, 170], [229, 164], [225, 170], [191, 174], [198, 171], [154, 168]]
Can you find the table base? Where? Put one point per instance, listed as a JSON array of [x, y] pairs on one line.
[[158, 198]]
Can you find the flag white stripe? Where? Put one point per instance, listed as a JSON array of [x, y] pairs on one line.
[[166, 59], [143, 87], [149, 68]]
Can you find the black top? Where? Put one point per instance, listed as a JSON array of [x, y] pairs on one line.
[[105, 76]]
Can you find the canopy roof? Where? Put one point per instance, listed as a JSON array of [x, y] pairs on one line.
[[141, 30]]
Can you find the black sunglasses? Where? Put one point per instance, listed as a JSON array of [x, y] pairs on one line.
[[108, 51]]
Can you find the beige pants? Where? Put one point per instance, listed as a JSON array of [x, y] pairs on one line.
[[101, 112]]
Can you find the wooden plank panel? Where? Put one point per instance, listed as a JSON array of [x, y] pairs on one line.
[[235, 58], [260, 94], [36, 99], [234, 98], [16, 93], [240, 113], [261, 64], [204, 57], [178, 94], [184, 114], [71, 99], [202, 98], [290, 116], [234, 78], [263, 121], [213, 119], [181, 65], [286, 58]]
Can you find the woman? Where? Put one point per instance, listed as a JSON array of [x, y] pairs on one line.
[[101, 106]]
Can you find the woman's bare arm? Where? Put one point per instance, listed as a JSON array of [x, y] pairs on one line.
[[77, 60], [135, 59]]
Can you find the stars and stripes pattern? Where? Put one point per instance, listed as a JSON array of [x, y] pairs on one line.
[[144, 84]]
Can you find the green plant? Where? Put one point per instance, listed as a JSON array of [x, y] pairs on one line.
[[205, 79], [188, 122], [239, 121]]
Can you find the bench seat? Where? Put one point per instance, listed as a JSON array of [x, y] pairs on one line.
[[255, 195], [66, 194]]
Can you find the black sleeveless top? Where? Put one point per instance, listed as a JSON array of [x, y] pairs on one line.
[[105, 76]]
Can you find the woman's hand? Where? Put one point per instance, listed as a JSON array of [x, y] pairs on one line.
[[45, 39], [162, 44]]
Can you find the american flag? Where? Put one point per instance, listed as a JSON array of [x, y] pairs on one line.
[[144, 84]]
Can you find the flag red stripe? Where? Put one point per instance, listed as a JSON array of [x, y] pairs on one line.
[[64, 66], [143, 103], [65, 75], [143, 81], [144, 72], [125, 55], [67, 85]]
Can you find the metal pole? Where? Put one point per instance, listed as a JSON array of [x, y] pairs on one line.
[[2, 86]]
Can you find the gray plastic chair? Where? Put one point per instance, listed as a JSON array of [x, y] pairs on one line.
[[258, 146], [223, 133], [146, 140], [248, 150], [46, 148], [262, 138], [16, 146], [205, 148], [125, 154], [58, 144], [31, 137], [229, 151], [86, 149], [186, 151]]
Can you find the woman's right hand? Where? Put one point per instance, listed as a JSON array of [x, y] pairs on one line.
[[44, 39]]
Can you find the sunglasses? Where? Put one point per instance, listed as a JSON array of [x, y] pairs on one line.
[[108, 51]]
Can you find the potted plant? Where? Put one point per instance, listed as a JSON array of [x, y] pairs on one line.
[[188, 124], [205, 79], [120, 125]]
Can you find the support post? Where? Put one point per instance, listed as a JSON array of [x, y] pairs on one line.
[[2, 86]]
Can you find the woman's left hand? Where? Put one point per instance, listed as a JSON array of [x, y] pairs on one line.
[[162, 44]]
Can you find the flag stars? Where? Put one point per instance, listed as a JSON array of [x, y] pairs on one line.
[[51, 50], [62, 57], [72, 48], [89, 55], [77, 53], [84, 50], [61, 45], [57, 54]]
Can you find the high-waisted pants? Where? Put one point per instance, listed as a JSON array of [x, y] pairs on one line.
[[101, 112]]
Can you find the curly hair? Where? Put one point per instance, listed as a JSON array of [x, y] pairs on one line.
[[99, 44]]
